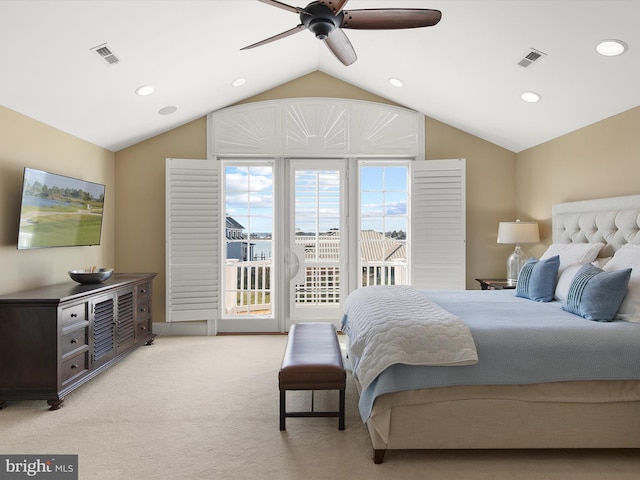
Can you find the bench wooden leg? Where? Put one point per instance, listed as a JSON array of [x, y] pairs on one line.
[[340, 413], [283, 409]]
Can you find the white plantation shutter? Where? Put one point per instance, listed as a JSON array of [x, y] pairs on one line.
[[193, 234], [438, 224]]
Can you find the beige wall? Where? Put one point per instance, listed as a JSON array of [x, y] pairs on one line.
[[601, 160], [25, 142], [140, 185], [490, 195], [140, 201]]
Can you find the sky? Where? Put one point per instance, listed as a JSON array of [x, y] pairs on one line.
[[383, 198], [54, 180]]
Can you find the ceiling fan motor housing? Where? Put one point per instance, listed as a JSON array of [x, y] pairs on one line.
[[321, 20]]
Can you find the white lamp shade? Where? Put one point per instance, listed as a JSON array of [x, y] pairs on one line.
[[518, 232]]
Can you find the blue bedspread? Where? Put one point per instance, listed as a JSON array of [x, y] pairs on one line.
[[519, 341]]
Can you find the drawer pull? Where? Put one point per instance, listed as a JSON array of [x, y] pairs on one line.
[[74, 315], [143, 309], [73, 340], [143, 328], [143, 291], [74, 366]]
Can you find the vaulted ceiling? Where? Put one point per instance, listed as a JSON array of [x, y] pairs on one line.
[[464, 71]]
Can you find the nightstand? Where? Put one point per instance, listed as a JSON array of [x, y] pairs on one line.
[[495, 284]]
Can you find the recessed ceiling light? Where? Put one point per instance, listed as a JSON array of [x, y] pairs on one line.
[[238, 82], [167, 110], [611, 48], [396, 82], [530, 97], [145, 90]]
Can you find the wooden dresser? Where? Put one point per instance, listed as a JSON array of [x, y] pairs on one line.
[[53, 339]]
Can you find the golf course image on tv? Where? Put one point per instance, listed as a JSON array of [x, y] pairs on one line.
[[59, 211]]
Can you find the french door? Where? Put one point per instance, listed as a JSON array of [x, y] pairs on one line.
[[251, 257], [285, 238], [316, 240], [289, 241]]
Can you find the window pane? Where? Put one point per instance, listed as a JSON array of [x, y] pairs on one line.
[[396, 178], [237, 179], [372, 204], [371, 178], [375, 224], [395, 203]]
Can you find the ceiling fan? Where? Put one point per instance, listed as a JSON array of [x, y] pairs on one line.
[[326, 19]]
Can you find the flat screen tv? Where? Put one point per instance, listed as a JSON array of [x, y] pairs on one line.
[[59, 211]]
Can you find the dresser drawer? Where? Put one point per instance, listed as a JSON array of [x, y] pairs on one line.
[[143, 291], [75, 366], [73, 341], [143, 310], [74, 314], [143, 328]]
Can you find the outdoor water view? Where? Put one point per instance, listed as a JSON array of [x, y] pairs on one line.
[[249, 234], [59, 211]]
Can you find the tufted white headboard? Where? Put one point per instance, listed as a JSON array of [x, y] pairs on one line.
[[613, 221]]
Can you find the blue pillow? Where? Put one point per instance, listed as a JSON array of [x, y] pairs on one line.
[[595, 294], [538, 278]]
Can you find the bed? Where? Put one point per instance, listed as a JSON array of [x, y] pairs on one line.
[[536, 374]]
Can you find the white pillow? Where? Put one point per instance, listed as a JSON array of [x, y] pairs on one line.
[[600, 262], [628, 256], [573, 253]]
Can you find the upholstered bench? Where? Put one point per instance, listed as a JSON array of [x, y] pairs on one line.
[[312, 361]]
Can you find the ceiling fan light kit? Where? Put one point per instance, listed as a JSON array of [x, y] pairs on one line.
[[326, 19]]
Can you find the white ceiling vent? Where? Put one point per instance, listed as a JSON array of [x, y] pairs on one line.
[[532, 56], [106, 53]]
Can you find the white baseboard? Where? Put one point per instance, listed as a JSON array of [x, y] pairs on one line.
[[176, 329]]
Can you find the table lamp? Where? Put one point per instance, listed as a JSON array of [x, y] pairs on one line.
[[517, 233]]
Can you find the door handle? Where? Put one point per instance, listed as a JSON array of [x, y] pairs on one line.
[[295, 253]]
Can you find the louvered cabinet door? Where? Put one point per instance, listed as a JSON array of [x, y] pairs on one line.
[[113, 324], [103, 313], [125, 321]]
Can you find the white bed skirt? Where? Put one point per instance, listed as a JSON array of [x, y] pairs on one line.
[[591, 414]]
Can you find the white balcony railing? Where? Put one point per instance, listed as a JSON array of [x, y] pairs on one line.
[[248, 289], [248, 284]]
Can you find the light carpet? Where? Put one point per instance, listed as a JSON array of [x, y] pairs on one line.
[[207, 408]]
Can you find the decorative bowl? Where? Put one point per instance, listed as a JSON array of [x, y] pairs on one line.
[[85, 276]]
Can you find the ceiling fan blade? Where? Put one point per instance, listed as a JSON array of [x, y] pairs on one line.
[[341, 47], [284, 6], [390, 18], [296, 29], [335, 5]]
